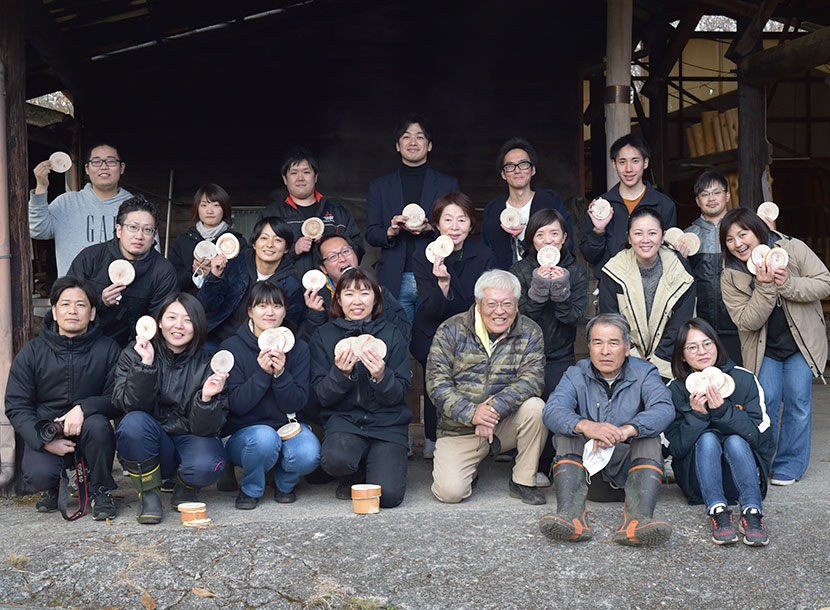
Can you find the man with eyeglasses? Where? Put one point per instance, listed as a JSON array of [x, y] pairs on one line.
[[485, 372], [122, 303], [516, 163], [712, 197], [77, 219], [333, 255]]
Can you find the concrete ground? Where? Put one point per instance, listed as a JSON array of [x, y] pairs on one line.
[[486, 552]]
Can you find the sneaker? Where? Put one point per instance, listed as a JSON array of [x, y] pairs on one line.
[[183, 493], [103, 506], [167, 486], [48, 502], [344, 490], [429, 449], [782, 480], [287, 498], [528, 495], [245, 502], [542, 480], [723, 530], [751, 526]]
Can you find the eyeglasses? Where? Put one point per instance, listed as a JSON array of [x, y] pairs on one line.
[[335, 255], [109, 162], [507, 306], [512, 167], [714, 193], [694, 348], [148, 231]]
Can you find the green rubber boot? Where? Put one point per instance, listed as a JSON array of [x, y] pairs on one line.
[[642, 486], [569, 522], [146, 478]]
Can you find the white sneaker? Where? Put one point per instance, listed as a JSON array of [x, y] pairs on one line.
[[542, 480], [783, 481], [429, 449]]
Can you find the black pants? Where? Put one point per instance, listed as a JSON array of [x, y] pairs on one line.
[[554, 369], [343, 453], [42, 470]]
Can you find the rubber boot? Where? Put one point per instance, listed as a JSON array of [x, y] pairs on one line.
[[642, 486], [569, 522], [146, 478], [227, 482], [182, 492]]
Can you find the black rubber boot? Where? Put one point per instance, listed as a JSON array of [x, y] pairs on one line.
[[227, 482], [569, 522], [146, 478], [642, 486], [183, 492]]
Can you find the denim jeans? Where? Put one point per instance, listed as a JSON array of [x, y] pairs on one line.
[[408, 296], [739, 477], [792, 379], [259, 448]]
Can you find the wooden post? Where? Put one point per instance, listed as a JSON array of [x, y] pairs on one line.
[[599, 153], [617, 77]]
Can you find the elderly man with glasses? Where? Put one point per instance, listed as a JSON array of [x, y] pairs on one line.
[[485, 372], [146, 279], [77, 219]]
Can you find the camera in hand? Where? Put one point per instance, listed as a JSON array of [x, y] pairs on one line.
[[47, 431]]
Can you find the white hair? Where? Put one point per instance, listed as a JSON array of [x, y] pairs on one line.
[[498, 279]]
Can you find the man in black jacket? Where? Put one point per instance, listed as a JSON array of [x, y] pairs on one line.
[[121, 303], [65, 375]]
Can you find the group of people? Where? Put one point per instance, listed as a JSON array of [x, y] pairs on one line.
[[492, 322]]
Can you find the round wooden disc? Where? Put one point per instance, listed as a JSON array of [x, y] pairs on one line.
[[146, 327], [690, 239], [271, 338], [61, 162], [601, 209], [728, 387], [510, 217], [758, 253], [121, 271], [205, 249], [377, 346], [697, 382], [443, 246], [313, 227], [365, 490], [314, 279], [548, 256], [671, 235], [289, 430], [359, 343], [714, 375], [769, 210], [288, 338], [430, 252], [750, 266], [415, 215], [222, 361], [777, 258], [228, 245], [343, 345]]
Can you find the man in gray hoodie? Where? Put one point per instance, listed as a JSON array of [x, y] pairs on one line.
[[78, 219]]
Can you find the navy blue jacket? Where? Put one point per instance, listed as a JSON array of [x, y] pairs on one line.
[[385, 200], [181, 256], [434, 307], [494, 236], [256, 397]]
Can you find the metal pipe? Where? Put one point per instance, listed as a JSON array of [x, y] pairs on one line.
[[7, 465], [167, 224]]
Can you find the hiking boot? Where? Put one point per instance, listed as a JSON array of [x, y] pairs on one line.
[[245, 502], [723, 530], [569, 522], [642, 486], [48, 502], [751, 525], [183, 493], [527, 494], [344, 490], [289, 497], [227, 482], [103, 506]]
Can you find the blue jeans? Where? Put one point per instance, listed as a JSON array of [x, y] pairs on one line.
[[200, 459], [259, 448], [408, 296], [793, 379], [737, 477]]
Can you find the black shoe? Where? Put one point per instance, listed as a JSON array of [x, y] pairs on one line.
[[167, 486], [344, 490], [103, 506], [246, 502], [227, 482], [183, 493], [48, 502], [149, 510], [287, 498], [528, 495]]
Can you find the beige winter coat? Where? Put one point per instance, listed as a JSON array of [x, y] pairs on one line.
[[750, 304]]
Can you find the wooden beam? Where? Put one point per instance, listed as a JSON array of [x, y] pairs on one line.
[[745, 43], [671, 52], [733, 8], [794, 56]]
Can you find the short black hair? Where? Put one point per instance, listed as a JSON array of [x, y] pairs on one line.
[[70, 281], [746, 219], [409, 119], [707, 178], [631, 139], [196, 313], [266, 291], [98, 143], [279, 227], [543, 218], [316, 247], [214, 193], [297, 155], [516, 143], [138, 203], [646, 210], [679, 367]]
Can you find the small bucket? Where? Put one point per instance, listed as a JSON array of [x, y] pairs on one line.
[[366, 499], [194, 514]]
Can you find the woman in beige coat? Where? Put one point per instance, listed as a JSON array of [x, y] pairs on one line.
[[781, 326]]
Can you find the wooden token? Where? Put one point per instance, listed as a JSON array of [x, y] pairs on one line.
[[121, 271], [714, 375], [205, 249], [342, 345], [228, 245], [314, 279], [758, 253], [510, 218], [728, 387], [443, 246], [146, 327], [222, 361], [690, 239], [288, 338], [777, 258], [769, 210], [415, 215], [366, 490], [601, 209], [430, 252], [750, 266], [289, 430], [671, 235], [697, 382], [377, 346], [271, 338], [359, 343], [548, 256], [312, 227], [61, 162]]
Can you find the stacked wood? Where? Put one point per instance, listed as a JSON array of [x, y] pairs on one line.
[[715, 133]]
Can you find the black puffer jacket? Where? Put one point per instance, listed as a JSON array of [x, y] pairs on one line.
[[355, 404], [170, 390], [181, 256], [558, 321], [52, 373]]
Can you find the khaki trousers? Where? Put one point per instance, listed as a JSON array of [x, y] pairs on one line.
[[457, 457]]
